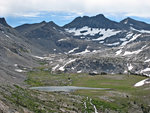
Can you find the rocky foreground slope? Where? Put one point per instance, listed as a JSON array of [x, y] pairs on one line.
[[15, 53]]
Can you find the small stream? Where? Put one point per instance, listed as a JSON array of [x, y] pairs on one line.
[[65, 88]]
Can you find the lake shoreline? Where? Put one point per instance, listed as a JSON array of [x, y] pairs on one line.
[[65, 88]]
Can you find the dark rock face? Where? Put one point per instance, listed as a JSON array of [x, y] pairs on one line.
[[103, 31], [135, 24], [14, 51], [98, 21], [51, 37], [98, 65], [43, 29], [3, 22], [43, 34]]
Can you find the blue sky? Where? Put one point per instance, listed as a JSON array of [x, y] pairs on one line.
[[19, 12], [59, 18]]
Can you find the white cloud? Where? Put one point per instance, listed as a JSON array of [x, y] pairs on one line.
[[28, 8]]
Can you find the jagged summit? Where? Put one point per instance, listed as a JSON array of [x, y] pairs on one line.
[[98, 21], [129, 20], [53, 24], [3, 22], [99, 16], [43, 21], [42, 26], [135, 24]]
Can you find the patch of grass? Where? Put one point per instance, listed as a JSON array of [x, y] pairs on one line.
[[106, 105], [46, 78], [120, 98], [117, 82], [22, 97], [42, 62], [41, 102]]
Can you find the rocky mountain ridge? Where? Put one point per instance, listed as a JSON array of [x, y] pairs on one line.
[[15, 54], [88, 44]]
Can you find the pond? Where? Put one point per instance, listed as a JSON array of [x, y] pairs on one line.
[[65, 88]]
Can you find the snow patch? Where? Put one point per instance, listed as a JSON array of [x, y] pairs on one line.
[[129, 35], [106, 33], [144, 31], [19, 70], [113, 44], [130, 67], [119, 52], [41, 58], [126, 22], [71, 51], [147, 60], [63, 67], [54, 68], [84, 31], [82, 37], [64, 39], [79, 71], [7, 36], [141, 83], [145, 70], [83, 52], [141, 31], [132, 39], [133, 52], [123, 39], [16, 65], [101, 42]]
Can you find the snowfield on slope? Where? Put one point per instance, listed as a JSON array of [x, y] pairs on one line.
[[132, 38], [71, 51], [141, 83], [84, 31], [145, 70], [62, 68]]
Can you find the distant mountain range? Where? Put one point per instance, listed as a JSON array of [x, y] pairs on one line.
[[87, 44]]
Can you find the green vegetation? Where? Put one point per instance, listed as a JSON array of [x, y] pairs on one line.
[[46, 78], [40, 102], [123, 96]]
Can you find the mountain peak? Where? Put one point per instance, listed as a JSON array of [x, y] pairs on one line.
[[135, 24], [127, 20], [43, 22], [100, 16], [85, 17], [53, 24], [3, 22], [98, 21]]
